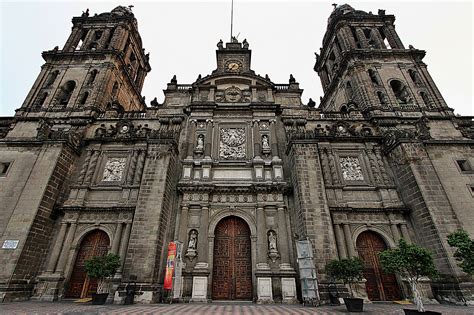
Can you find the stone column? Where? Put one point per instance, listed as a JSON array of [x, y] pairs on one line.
[[208, 139], [282, 236], [256, 139], [117, 238], [405, 233], [203, 244], [138, 171], [84, 167], [395, 233], [392, 37], [349, 244], [183, 225], [53, 259], [124, 245], [262, 250], [66, 248], [191, 138], [133, 167], [361, 37], [273, 138], [91, 167], [341, 247]]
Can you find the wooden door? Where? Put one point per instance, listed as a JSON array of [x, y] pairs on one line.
[[380, 285], [232, 267], [95, 243]]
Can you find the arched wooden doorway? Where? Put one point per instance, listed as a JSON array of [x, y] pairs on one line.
[[95, 243], [232, 267], [380, 285]]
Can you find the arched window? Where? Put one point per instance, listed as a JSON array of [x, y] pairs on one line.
[[401, 92], [373, 77], [414, 76], [349, 90], [52, 77], [382, 98], [344, 109], [42, 99], [92, 77], [109, 40], [114, 89], [84, 97], [66, 92], [425, 98]]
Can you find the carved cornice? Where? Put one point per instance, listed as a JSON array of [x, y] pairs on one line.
[[282, 187]]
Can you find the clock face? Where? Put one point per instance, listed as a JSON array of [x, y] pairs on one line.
[[233, 66]]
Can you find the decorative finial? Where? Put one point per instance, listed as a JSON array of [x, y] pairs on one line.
[[220, 44], [199, 77], [130, 7], [292, 79], [174, 80], [334, 5]]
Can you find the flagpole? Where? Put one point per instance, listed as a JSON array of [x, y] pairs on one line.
[[231, 19]]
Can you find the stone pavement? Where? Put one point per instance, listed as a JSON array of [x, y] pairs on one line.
[[211, 308]]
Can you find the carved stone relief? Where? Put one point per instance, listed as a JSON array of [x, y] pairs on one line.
[[232, 143], [351, 169], [113, 169]]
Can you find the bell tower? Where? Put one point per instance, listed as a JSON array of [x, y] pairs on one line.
[[102, 63], [364, 65]]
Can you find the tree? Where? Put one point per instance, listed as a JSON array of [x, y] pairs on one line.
[[411, 261], [464, 250], [101, 268], [347, 270]]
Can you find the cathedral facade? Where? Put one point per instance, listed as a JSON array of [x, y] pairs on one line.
[[259, 189]]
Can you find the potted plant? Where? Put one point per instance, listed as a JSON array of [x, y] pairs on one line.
[[464, 250], [413, 262], [102, 268], [348, 271]]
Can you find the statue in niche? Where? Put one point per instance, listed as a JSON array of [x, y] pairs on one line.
[[265, 144], [191, 252], [200, 143], [272, 246]]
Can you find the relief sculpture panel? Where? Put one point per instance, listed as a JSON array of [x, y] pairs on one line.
[[232, 143]]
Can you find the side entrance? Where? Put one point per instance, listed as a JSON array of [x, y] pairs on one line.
[[95, 243], [232, 266], [380, 286]]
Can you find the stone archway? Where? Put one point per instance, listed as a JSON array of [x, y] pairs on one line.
[[232, 261], [95, 243], [380, 285]]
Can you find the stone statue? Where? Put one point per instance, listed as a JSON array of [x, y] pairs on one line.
[[292, 79], [200, 142], [101, 131], [199, 77], [192, 240], [311, 103], [272, 241], [234, 39], [317, 56], [154, 102], [147, 57], [56, 48], [267, 77], [85, 14], [220, 44], [143, 99], [174, 80], [245, 44], [265, 144]]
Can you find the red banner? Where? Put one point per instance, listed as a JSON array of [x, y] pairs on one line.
[[168, 285]]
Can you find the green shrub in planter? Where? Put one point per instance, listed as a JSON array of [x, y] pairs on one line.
[[348, 271], [464, 250], [101, 268], [411, 261]]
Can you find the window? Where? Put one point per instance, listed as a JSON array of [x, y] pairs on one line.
[[401, 92], [425, 98], [373, 77], [382, 98], [414, 76], [66, 92], [464, 165], [4, 166], [52, 77], [92, 77], [84, 97], [43, 99]]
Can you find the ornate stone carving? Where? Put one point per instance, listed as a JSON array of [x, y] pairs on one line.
[[351, 169], [233, 94], [191, 252], [232, 143], [113, 169]]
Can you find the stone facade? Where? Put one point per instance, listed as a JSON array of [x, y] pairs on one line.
[[382, 157]]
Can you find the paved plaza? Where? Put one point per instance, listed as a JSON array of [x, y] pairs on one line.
[[211, 308]]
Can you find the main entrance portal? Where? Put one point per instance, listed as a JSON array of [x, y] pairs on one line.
[[380, 285], [95, 243], [232, 267]]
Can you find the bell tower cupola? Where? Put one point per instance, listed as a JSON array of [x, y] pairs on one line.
[[364, 64], [102, 62]]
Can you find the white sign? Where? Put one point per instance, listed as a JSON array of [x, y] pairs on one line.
[[10, 244]]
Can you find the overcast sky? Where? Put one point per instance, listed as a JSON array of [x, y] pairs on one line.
[[283, 36]]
